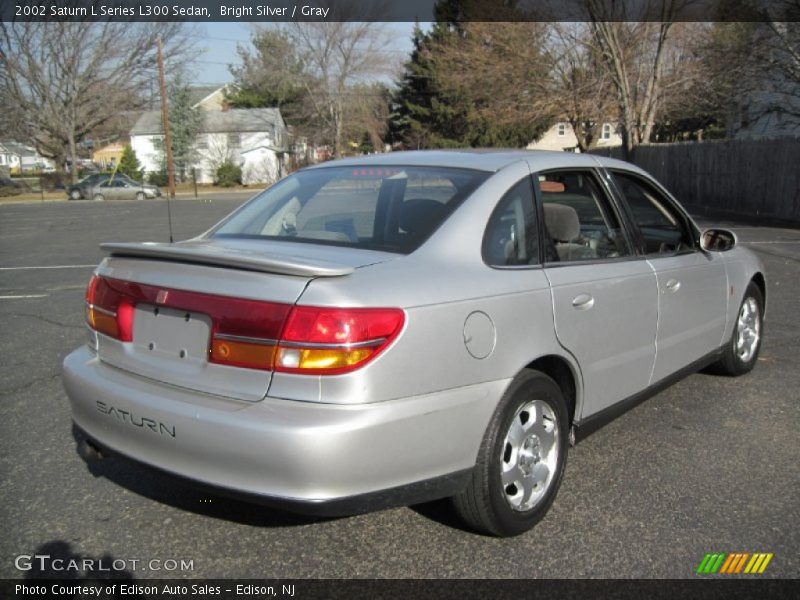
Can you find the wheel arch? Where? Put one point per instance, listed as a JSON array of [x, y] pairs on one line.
[[566, 375], [760, 282]]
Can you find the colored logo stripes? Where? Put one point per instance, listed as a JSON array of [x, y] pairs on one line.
[[734, 563]]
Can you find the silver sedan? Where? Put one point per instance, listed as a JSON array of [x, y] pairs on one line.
[[387, 330]]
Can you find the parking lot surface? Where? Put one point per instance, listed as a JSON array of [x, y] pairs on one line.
[[709, 465]]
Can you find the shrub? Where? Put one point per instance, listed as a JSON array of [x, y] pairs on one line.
[[158, 178], [229, 175], [55, 181]]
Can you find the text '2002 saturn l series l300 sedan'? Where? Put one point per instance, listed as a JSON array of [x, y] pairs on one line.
[[392, 329]]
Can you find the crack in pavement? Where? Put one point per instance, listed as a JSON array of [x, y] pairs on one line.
[[760, 250], [29, 384], [46, 320]]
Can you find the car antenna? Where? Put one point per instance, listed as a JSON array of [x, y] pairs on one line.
[[169, 219]]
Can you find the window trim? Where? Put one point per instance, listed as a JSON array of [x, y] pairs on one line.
[[670, 201], [534, 265], [610, 198]]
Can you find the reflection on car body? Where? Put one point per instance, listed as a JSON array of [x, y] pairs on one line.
[[386, 330]]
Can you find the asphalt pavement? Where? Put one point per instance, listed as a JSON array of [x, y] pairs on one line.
[[709, 465]]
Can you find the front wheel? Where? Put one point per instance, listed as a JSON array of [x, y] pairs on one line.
[[98, 198], [75, 194], [140, 196], [521, 460], [741, 352]]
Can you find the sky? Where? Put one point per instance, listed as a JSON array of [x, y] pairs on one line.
[[219, 41]]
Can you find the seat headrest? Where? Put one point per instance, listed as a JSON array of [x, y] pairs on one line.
[[419, 216], [562, 222]]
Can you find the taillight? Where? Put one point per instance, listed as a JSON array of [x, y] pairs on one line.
[[109, 310], [335, 340], [255, 334], [245, 332]]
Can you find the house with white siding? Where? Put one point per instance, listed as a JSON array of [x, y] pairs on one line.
[[256, 139]]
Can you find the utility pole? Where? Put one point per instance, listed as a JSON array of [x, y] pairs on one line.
[[165, 120]]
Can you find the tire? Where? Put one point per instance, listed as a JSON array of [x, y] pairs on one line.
[[741, 351], [75, 195], [98, 198], [516, 479], [140, 196]]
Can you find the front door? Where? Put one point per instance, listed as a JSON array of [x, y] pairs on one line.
[[692, 284]]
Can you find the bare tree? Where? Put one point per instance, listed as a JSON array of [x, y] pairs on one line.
[[65, 79], [633, 54], [337, 56], [579, 82]]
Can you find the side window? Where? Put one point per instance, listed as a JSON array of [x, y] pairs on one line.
[[511, 236], [663, 228], [579, 223]]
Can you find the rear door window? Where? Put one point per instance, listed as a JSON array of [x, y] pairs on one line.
[[579, 221]]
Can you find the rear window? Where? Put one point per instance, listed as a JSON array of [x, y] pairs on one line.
[[384, 208]]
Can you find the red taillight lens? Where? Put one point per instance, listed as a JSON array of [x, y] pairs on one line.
[[254, 334], [108, 309], [335, 340]]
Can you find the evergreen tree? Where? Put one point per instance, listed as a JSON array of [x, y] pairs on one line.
[[421, 117], [455, 94], [271, 76], [184, 125], [129, 164]]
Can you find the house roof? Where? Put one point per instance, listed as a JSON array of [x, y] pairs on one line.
[[17, 149], [231, 121], [201, 92]]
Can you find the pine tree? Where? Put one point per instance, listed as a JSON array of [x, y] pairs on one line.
[[421, 116], [129, 164], [184, 125]]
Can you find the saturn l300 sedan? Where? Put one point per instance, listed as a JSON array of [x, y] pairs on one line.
[[386, 330]]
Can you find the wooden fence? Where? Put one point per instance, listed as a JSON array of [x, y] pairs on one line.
[[758, 179]]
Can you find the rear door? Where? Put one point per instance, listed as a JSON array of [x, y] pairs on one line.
[[604, 294], [692, 284]]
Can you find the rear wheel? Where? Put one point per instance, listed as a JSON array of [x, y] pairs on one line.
[[521, 460], [741, 352], [98, 198]]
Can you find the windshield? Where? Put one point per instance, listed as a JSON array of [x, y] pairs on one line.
[[383, 208]]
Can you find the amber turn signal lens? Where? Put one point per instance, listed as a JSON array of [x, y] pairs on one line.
[[242, 354]]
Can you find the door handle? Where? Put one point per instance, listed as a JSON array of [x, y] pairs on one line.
[[583, 302], [673, 285]]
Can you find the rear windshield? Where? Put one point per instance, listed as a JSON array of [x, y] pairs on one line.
[[383, 208]]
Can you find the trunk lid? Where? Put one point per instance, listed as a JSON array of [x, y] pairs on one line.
[[173, 282]]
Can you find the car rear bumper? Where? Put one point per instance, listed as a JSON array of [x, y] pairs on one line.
[[312, 457]]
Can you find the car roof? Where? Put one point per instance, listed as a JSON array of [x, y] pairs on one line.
[[481, 160]]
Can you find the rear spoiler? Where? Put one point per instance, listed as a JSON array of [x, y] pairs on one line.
[[204, 253]]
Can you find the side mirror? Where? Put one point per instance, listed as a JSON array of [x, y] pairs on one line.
[[717, 240]]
